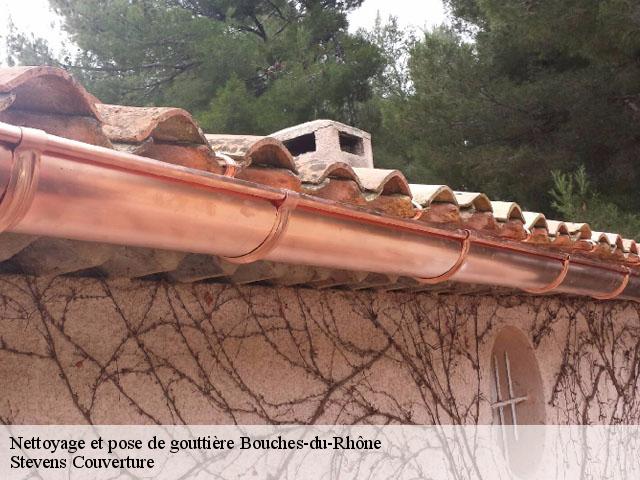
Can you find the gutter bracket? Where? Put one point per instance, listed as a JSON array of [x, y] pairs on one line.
[[23, 178], [555, 283], [284, 208], [617, 291], [466, 245]]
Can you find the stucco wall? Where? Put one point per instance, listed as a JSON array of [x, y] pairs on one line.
[[85, 350]]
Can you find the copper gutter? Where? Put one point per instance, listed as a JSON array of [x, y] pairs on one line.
[[62, 188], [443, 277], [617, 291], [283, 209], [556, 281]]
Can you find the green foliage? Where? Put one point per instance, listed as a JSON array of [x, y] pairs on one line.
[[392, 88], [262, 64], [516, 89], [509, 92], [231, 110], [395, 44], [574, 198]]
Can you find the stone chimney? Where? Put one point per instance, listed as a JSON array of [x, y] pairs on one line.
[[327, 141]]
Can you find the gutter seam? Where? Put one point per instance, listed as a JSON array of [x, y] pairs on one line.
[[283, 210], [23, 178]]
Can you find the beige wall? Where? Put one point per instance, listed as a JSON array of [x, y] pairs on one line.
[[84, 350]]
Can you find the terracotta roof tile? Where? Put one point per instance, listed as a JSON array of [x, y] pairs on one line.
[[50, 99], [630, 246], [535, 220], [437, 204], [82, 129], [45, 90], [472, 200], [253, 150], [557, 228], [262, 160], [537, 226], [630, 251], [6, 100], [559, 234], [580, 231], [200, 157], [346, 191], [137, 124], [509, 215], [380, 181], [425, 195], [507, 211], [167, 134], [396, 205], [315, 172], [273, 177], [613, 240], [607, 244], [383, 190]]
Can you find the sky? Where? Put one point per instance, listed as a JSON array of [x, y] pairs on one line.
[[410, 13], [34, 15]]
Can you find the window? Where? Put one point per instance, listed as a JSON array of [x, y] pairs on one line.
[[517, 399]]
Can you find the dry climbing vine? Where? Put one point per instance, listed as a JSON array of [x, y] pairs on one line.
[[95, 351]]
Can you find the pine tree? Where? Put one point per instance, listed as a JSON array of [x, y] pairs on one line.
[[293, 60]]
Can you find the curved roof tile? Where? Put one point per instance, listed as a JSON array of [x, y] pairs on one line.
[[477, 201], [612, 240], [507, 211], [630, 246], [45, 90], [425, 195], [252, 149], [557, 228], [138, 124], [581, 231], [315, 172], [535, 220], [383, 181]]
